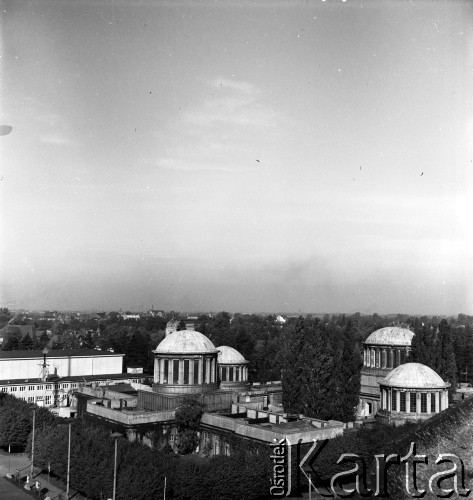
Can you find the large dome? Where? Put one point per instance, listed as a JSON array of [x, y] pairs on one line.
[[391, 335], [228, 355], [185, 342], [414, 376]]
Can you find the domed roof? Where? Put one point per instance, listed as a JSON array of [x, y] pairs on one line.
[[228, 355], [414, 376], [391, 335], [185, 342]]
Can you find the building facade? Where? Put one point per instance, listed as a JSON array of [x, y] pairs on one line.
[[412, 391], [185, 363], [232, 369], [384, 350]]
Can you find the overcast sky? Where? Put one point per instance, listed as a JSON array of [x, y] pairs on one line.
[[243, 156]]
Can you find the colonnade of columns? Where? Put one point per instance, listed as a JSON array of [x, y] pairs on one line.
[[233, 373], [183, 371], [384, 357], [426, 402]]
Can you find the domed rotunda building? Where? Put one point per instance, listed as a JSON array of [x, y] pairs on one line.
[[412, 392], [232, 369], [185, 363], [384, 350]]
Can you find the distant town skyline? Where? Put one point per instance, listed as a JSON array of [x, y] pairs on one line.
[[242, 156]]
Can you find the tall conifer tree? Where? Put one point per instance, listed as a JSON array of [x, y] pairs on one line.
[[351, 363]]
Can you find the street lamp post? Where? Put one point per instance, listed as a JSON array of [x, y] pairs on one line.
[[115, 435], [68, 463], [32, 444]]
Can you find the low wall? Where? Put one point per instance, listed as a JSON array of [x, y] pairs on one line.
[[129, 418]]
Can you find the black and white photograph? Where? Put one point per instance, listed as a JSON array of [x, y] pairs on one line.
[[236, 249]]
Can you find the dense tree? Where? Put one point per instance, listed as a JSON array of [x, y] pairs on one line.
[[138, 350], [423, 345], [349, 382], [188, 417], [26, 343], [12, 343], [307, 370], [445, 356], [88, 341], [16, 420]]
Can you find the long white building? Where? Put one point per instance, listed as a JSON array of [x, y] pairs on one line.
[[50, 378], [62, 363]]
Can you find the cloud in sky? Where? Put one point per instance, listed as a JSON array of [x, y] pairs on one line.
[[217, 132]]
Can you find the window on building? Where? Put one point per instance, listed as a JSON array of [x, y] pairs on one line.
[[227, 449], [196, 371], [186, 371], [175, 374], [40, 387], [423, 402], [65, 386], [402, 402], [49, 387], [204, 370], [30, 399], [22, 398], [413, 402], [230, 375], [4, 389], [166, 371], [237, 374], [224, 373], [74, 386], [394, 400], [432, 402], [13, 389], [22, 388], [48, 400]]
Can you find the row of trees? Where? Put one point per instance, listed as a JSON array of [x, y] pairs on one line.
[[16, 421], [141, 470], [321, 365], [433, 346]]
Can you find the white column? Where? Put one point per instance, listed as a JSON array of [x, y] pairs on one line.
[[161, 370], [191, 371], [418, 402], [429, 402], [171, 371], [201, 370], [398, 401]]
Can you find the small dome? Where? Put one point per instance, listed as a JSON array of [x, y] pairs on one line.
[[391, 335], [228, 355], [414, 376], [185, 342]]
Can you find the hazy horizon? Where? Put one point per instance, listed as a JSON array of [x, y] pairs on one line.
[[251, 156]]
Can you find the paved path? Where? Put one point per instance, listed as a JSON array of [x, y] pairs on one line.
[[22, 462], [11, 492]]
